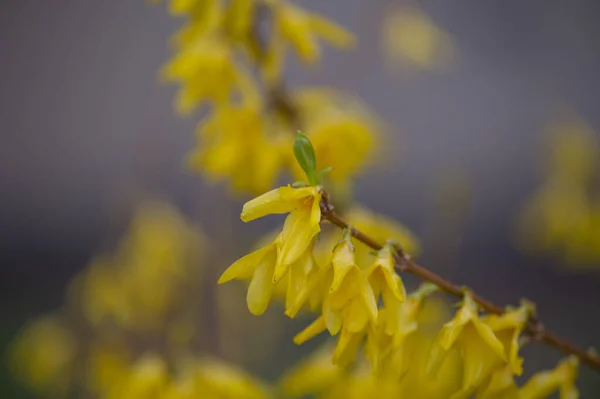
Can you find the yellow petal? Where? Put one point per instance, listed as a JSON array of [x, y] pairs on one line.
[[244, 267], [500, 386], [346, 348], [333, 318], [314, 329], [342, 261], [297, 279], [479, 358], [261, 286], [297, 235], [280, 200], [331, 32], [544, 383]]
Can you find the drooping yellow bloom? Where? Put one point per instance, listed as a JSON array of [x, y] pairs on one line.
[[349, 304], [411, 35], [268, 265], [387, 284], [508, 327], [350, 301], [562, 379], [480, 348], [43, 356], [412, 364]]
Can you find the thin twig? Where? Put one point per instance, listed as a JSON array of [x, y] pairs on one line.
[[534, 328]]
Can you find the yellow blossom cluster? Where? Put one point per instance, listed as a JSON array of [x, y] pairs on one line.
[[563, 217], [366, 307], [139, 284], [245, 138], [125, 331], [316, 376]]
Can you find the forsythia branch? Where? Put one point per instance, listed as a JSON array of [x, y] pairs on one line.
[[535, 329]]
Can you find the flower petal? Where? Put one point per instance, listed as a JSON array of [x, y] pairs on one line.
[[244, 267], [280, 200], [261, 286], [314, 329], [296, 236]]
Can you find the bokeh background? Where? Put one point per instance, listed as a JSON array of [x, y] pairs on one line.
[[87, 131]]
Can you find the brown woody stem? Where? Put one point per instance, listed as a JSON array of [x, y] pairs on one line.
[[534, 328]]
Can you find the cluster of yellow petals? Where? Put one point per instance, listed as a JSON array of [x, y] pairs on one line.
[[468, 357], [563, 217], [150, 377], [366, 307], [137, 285], [244, 139], [126, 329]]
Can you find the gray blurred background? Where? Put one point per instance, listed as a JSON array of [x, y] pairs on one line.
[[86, 127]]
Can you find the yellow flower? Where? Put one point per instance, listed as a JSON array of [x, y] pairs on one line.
[[268, 265], [350, 300], [508, 328], [136, 286], [480, 348], [411, 365], [313, 375], [301, 28], [410, 35], [387, 283], [233, 145], [342, 131], [206, 70], [225, 381], [147, 378], [562, 379], [42, 356], [108, 365], [349, 304]]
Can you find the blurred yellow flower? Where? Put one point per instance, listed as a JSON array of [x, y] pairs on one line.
[[43, 356], [108, 364], [342, 130], [146, 379], [314, 374], [301, 29], [562, 218], [234, 145], [411, 35], [137, 285]]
